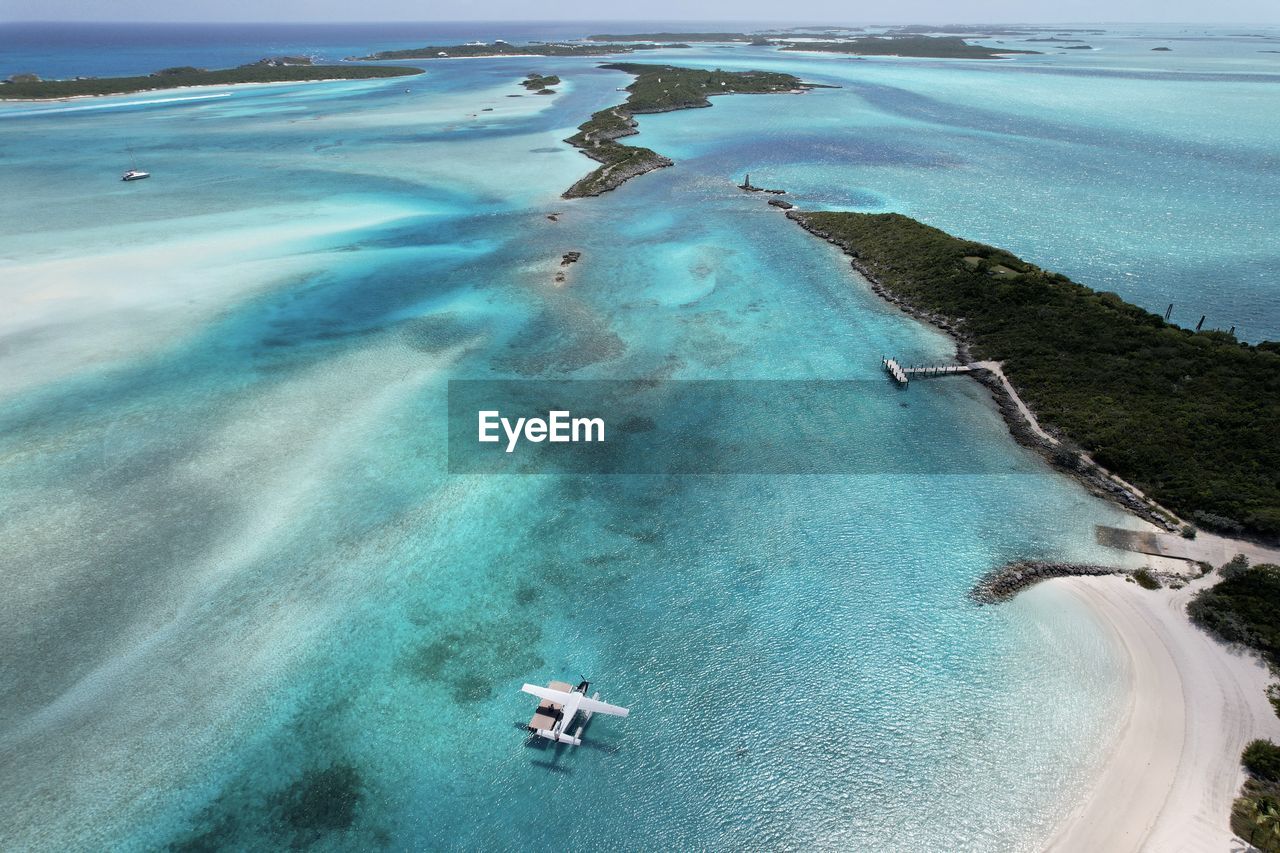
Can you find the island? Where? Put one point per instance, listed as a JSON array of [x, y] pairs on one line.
[[1188, 417], [540, 85], [278, 70], [657, 89], [690, 37], [979, 31], [763, 38], [936, 47], [503, 48]]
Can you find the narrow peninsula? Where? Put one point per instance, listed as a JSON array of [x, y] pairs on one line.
[[658, 89], [286, 70], [1188, 417]]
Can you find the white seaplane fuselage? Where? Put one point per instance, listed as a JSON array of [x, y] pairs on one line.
[[560, 705]]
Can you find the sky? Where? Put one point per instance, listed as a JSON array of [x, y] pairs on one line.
[[799, 11]]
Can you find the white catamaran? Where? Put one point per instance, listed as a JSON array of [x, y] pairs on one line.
[[134, 173]]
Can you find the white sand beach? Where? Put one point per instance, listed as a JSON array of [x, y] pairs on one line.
[[1170, 777]]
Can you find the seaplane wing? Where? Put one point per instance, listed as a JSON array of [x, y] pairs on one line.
[[574, 701], [557, 696], [595, 706]]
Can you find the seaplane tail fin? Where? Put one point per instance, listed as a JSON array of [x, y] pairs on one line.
[[595, 706]]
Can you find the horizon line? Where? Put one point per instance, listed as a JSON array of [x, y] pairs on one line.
[[881, 23]]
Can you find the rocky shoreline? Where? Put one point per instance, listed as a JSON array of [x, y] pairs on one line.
[[1004, 583], [1096, 479], [936, 320], [613, 174]]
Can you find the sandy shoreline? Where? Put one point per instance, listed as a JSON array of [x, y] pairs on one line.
[[1173, 770], [72, 98], [1171, 774]]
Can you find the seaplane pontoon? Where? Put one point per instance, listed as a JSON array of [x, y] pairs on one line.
[[560, 704]]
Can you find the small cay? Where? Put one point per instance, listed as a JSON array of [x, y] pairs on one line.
[[540, 85]]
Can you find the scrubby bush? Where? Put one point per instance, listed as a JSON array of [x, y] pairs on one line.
[[1255, 816], [1236, 566], [1243, 608], [1146, 580], [1262, 759]]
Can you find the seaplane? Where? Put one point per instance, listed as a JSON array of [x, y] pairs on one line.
[[560, 704]]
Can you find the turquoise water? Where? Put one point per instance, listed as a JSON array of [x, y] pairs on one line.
[[248, 607]]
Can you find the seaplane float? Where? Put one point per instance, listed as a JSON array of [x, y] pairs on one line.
[[560, 705]]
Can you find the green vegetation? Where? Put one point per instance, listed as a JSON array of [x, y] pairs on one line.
[[538, 83], [1243, 608], [1145, 579], [284, 60], [1187, 417], [1255, 816], [757, 38], [945, 47], [973, 30], [1237, 565], [671, 37], [502, 48], [663, 88], [1262, 759], [657, 88], [172, 78]]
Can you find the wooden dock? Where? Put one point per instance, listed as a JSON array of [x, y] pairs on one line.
[[902, 375]]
